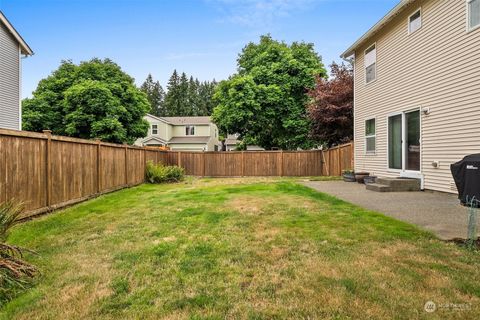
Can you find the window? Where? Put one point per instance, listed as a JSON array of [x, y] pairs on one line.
[[415, 21], [370, 136], [473, 14], [154, 129], [189, 130], [371, 64]]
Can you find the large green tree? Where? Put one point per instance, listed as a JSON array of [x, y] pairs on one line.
[[155, 95], [94, 99], [266, 100]]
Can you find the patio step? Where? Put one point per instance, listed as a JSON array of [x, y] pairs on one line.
[[378, 187], [395, 185]]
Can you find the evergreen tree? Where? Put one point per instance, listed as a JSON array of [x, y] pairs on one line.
[[184, 108], [155, 95], [187, 96], [192, 97], [172, 100]]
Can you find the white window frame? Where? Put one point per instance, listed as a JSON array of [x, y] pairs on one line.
[[154, 129], [421, 20], [370, 152], [469, 29], [365, 66], [188, 130]]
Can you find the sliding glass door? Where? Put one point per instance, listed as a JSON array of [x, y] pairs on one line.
[[395, 142], [412, 143], [404, 141]]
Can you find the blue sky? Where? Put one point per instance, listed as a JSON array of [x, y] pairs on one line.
[[199, 37]]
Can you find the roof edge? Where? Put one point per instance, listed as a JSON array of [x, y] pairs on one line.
[[25, 48], [377, 27]]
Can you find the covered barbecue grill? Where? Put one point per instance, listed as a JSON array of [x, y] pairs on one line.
[[466, 174]]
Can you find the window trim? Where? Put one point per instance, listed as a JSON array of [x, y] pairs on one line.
[[154, 128], [375, 63], [421, 20], [470, 29], [370, 152]]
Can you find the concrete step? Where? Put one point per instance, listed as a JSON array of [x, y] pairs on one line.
[[400, 184], [378, 187]]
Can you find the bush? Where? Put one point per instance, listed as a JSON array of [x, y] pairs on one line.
[[163, 174], [13, 269]]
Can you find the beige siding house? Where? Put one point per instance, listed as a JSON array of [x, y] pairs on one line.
[[181, 133], [417, 91], [12, 48]]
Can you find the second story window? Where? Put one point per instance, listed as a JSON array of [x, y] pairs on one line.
[[473, 9], [189, 130], [154, 129], [371, 64], [415, 21]]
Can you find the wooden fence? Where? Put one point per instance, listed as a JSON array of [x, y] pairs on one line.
[[47, 172]]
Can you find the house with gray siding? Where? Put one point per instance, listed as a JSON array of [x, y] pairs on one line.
[[12, 49], [417, 91]]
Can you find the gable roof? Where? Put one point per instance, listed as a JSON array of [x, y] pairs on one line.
[[187, 120], [26, 50], [153, 138], [189, 139], [399, 8], [176, 121]]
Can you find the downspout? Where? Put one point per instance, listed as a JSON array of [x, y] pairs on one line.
[[351, 60]]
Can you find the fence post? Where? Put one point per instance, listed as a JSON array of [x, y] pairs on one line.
[[203, 157], [179, 158], [281, 163], [99, 171], [243, 163], [126, 165], [339, 153], [48, 180]]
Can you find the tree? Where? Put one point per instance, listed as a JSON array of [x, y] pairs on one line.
[[184, 108], [94, 99], [266, 100], [206, 90], [192, 97], [172, 98], [187, 96], [331, 107], [155, 95]]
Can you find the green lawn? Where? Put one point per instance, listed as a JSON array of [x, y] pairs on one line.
[[238, 249]]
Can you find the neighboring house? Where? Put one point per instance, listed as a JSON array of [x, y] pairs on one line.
[[12, 48], [417, 91], [232, 141], [181, 133]]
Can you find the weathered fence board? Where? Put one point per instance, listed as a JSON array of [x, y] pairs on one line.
[[46, 172]]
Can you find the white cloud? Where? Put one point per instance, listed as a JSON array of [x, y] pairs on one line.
[[258, 13]]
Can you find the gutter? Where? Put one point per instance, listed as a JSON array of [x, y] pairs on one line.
[[399, 8]]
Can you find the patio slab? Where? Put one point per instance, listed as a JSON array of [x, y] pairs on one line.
[[437, 212]]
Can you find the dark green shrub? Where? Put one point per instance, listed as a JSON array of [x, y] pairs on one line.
[[163, 174]]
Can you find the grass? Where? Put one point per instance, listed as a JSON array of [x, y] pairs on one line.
[[238, 249]]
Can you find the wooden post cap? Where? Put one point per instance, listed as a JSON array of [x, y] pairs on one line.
[[47, 132]]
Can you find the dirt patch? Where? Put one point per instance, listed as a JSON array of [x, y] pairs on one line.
[[254, 205]]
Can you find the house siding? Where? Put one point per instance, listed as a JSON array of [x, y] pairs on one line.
[[437, 67], [9, 81]]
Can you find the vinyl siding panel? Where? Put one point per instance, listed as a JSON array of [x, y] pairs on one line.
[[9, 80], [437, 67]]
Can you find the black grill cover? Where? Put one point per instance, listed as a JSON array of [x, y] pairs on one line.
[[466, 174]]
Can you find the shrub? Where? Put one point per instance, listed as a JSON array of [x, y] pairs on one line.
[[14, 271], [163, 174]]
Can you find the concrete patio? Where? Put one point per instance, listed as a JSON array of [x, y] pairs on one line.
[[437, 212]]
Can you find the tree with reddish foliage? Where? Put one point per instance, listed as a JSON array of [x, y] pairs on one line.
[[331, 106]]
